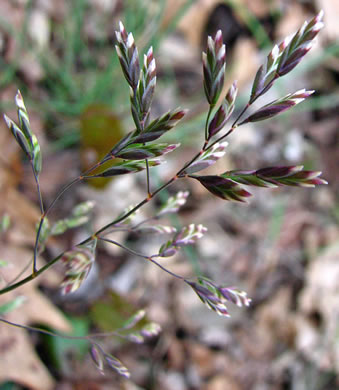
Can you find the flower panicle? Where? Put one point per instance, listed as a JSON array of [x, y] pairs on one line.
[[214, 64], [286, 56], [24, 136], [278, 106], [78, 263], [207, 158], [224, 112], [188, 235], [277, 176], [128, 56], [216, 297], [173, 203], [101, 358]]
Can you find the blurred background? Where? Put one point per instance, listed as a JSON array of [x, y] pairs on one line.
[[282, 248]]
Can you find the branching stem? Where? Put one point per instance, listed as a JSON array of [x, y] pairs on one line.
[[150, 196], [32, 276]]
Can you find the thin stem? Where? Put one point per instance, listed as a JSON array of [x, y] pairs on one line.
[[137, 207], [43, 331], [44, 213], [131, 228], [242, 113], [234, 126], [190, 162], [76, 180], [36, 178], [101, 230], [42, 219], [68, 337], [165, 269], [148, 178], [235, 123], [119, 219], [63, 190], [26, 267], [149, 197], [131, 251], [117, 229], [62, 335], [221, 137], [136, 226], [32, 276], [35, 253], [150, 258], [140, 125]]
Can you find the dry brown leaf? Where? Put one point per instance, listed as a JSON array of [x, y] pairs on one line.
[[203, 359], [19, 361], [275, 321], [37, 308], [21, 364]]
